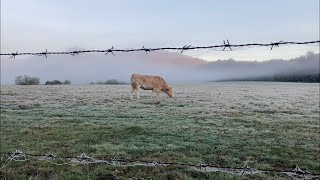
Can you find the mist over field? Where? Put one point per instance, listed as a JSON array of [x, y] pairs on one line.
[[253, 70], [86, 68]]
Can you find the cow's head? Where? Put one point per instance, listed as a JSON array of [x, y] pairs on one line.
[[170, 92]]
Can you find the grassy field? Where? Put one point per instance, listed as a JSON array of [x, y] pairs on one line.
[[271, 125]]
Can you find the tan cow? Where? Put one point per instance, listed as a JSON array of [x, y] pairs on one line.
[[154, 83]]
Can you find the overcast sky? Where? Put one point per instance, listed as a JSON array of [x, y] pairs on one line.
[[58, 25]]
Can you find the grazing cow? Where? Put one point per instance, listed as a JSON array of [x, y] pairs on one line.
[[154, 83]]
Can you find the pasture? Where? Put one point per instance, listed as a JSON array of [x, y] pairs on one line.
[[271, 125]]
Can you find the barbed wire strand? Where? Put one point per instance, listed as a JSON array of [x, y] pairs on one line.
[[225, 46], [84, 159]]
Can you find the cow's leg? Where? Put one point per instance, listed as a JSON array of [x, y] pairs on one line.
[[157, 94], [132, 91], [135, 88], [137, 93]]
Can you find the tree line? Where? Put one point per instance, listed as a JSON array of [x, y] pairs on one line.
[[29, 80], [307, 78]]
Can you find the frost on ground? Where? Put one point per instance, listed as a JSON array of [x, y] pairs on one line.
[[272, 125]]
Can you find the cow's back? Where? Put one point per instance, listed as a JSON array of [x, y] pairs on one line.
[[146, 80]]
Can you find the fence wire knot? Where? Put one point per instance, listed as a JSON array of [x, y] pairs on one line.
[[115, 161], [73, 53], [185, 47], [201, 165], [146, 50], [246, 168], [275, 44], [155, 164], [13, 55], [226, 44], [50, 156], [83, 157], [297, 170], [17, 153], [110, 51], [44, 53]]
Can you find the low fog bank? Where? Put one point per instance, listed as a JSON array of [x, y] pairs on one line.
[[174, 67], [267, 70]]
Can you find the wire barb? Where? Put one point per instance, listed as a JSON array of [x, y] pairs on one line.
[[146, 50], [201, 165], [44, 53], [110, 51], [246, 168], [83, 157], [226, 44], [13, 55], [297, 170], [73, 53], [185, 47], [50, 156], [275, 44], [17, 153]]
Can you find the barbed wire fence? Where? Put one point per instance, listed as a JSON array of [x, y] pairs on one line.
[[19, 156], [85, 160], [222, 47]]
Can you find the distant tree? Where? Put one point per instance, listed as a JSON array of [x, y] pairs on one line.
[[66, 82], [27, 80], [54, 82], [99, 82], [114, 82], [109, 82]]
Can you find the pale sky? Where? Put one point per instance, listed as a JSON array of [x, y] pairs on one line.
[[58, 25]]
